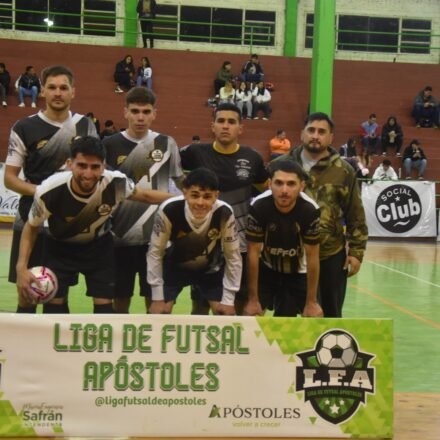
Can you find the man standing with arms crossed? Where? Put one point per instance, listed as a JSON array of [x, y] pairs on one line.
[[40, 145], [149, 159], [332, 184], [238, 168]]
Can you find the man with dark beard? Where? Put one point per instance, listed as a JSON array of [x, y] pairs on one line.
[[332, 184]]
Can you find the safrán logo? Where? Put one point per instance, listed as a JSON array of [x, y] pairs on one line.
[[335, 376], [398, 208]]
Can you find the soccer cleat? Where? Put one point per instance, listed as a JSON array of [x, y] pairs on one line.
[[21, 104]]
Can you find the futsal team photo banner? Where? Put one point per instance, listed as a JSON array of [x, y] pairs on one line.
[[176, 376], [400, 208]]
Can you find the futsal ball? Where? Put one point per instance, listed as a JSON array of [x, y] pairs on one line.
[[336, 349], [48, 284]]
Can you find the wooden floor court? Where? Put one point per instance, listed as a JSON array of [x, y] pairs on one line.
[[399, 281]]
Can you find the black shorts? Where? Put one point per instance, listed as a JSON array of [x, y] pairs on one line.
[[131, 261], [95, 260], [241, 296], [209, 285], [283, 293], [36, 257]]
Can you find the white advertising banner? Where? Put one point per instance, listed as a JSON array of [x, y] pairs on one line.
[[400, 208], [8, 199], [171, 375]]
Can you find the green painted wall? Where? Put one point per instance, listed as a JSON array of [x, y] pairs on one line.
[[290, 30], [130, 23]]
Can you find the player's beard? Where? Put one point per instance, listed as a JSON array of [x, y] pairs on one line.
[[59, 106]]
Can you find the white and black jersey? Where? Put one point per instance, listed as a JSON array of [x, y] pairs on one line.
[[149, 162], [283, 234], [76, 218], [41, 146], [207, 245], [237, 173]]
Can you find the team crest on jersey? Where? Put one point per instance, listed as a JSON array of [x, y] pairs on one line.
[[41, 144], [242, 168], [104, 209], [213, 234], [156, 155]]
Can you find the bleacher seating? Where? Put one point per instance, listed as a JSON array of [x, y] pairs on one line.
[[183, 81]]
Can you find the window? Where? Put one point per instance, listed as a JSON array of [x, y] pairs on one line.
[[66, 17], [368, 34], [166, 22], [226, 34], [99, 17], [5, 14], [30, 14], [310, 21], [259, 28], [416, 36], [190, 27]]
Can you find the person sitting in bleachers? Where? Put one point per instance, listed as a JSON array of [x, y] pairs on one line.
[[414, 157], [392, 136], [227, 93], [109, 129], [349, 148], [5, 80], [28, 84], [279, 144], [369, 131], [385, 171], [243, 99], [145, 74], [262, 98], [426, 109], [124, 74], [223, 76], [252, 72]]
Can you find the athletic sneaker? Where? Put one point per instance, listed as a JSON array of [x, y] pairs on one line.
[[21, 104], [118, 90], [33, 105], [4, 104], [256, 117], [265, 119], [398, 154]]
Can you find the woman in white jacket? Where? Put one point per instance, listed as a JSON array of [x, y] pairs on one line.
[[262, 99], [145, 74], [243, 99]]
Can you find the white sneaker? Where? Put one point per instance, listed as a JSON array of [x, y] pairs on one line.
[[33, 105], [21, 104], [118, 90], [4, 104], [256, 117], [265, 119]]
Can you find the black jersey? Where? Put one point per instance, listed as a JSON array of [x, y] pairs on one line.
[[283, 234], [204, 246], [237, 173], [41, 146], [150, 162], [74, 218]]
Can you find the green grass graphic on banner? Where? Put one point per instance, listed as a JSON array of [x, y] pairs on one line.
[[11, 422], [376, 338]]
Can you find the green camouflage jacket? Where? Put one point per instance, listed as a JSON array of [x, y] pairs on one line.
[[332, 183]]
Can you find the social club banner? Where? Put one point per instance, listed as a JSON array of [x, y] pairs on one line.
[[170, 375], [400, 208]]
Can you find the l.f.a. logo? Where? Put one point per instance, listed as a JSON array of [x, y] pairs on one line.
[[335, 376]]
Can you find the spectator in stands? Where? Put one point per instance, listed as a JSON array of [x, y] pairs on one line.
[[426, 109], [392, 136], [369, 131], [195, 139], [385, 171], [279, 144], [95, 121], [28, 84], [348, 149], [124, 74], [145, 74], [223, 76], [5, 79], [252, 72], [146, 10], [243, 99], [364, 163], [261, 100], [109, 129], [227, 93], [414, 157]]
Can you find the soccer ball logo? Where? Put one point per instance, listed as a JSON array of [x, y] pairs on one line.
[[336, 349], [48, 284]]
